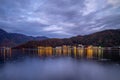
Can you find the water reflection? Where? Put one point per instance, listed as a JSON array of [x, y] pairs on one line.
[[5, 53], [59, 69], [60, 63], [90, 52]]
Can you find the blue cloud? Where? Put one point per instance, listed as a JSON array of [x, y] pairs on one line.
[[59, 18]]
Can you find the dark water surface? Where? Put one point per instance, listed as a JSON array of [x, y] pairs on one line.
[[29, 65], [59, 69]]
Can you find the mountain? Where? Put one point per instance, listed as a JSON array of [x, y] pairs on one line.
[[13, 39], [106, 38], [103, 38]]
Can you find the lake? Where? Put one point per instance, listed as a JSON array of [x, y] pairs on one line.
[[29, 64]]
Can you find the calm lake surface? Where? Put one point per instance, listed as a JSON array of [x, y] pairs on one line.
[[30, 65]]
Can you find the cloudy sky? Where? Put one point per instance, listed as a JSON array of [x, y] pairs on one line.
[[59, 18]]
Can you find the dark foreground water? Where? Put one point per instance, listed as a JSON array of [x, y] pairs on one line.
[[88, 64], [59, 69]]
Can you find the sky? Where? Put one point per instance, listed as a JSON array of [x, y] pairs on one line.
[[59, 18]]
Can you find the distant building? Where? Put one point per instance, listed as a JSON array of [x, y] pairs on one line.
[[58, 50], [80, 45], [65, 50]]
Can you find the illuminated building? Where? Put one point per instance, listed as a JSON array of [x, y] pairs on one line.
[[48, 51], [69, 50], [58, 51], [90, 52], [65, 50], [41, 50], [80, 51], [75, 51]]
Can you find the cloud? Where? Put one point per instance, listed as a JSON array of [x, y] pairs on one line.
[[90, 6], [114, 2], [58, 18], [53, 28]]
